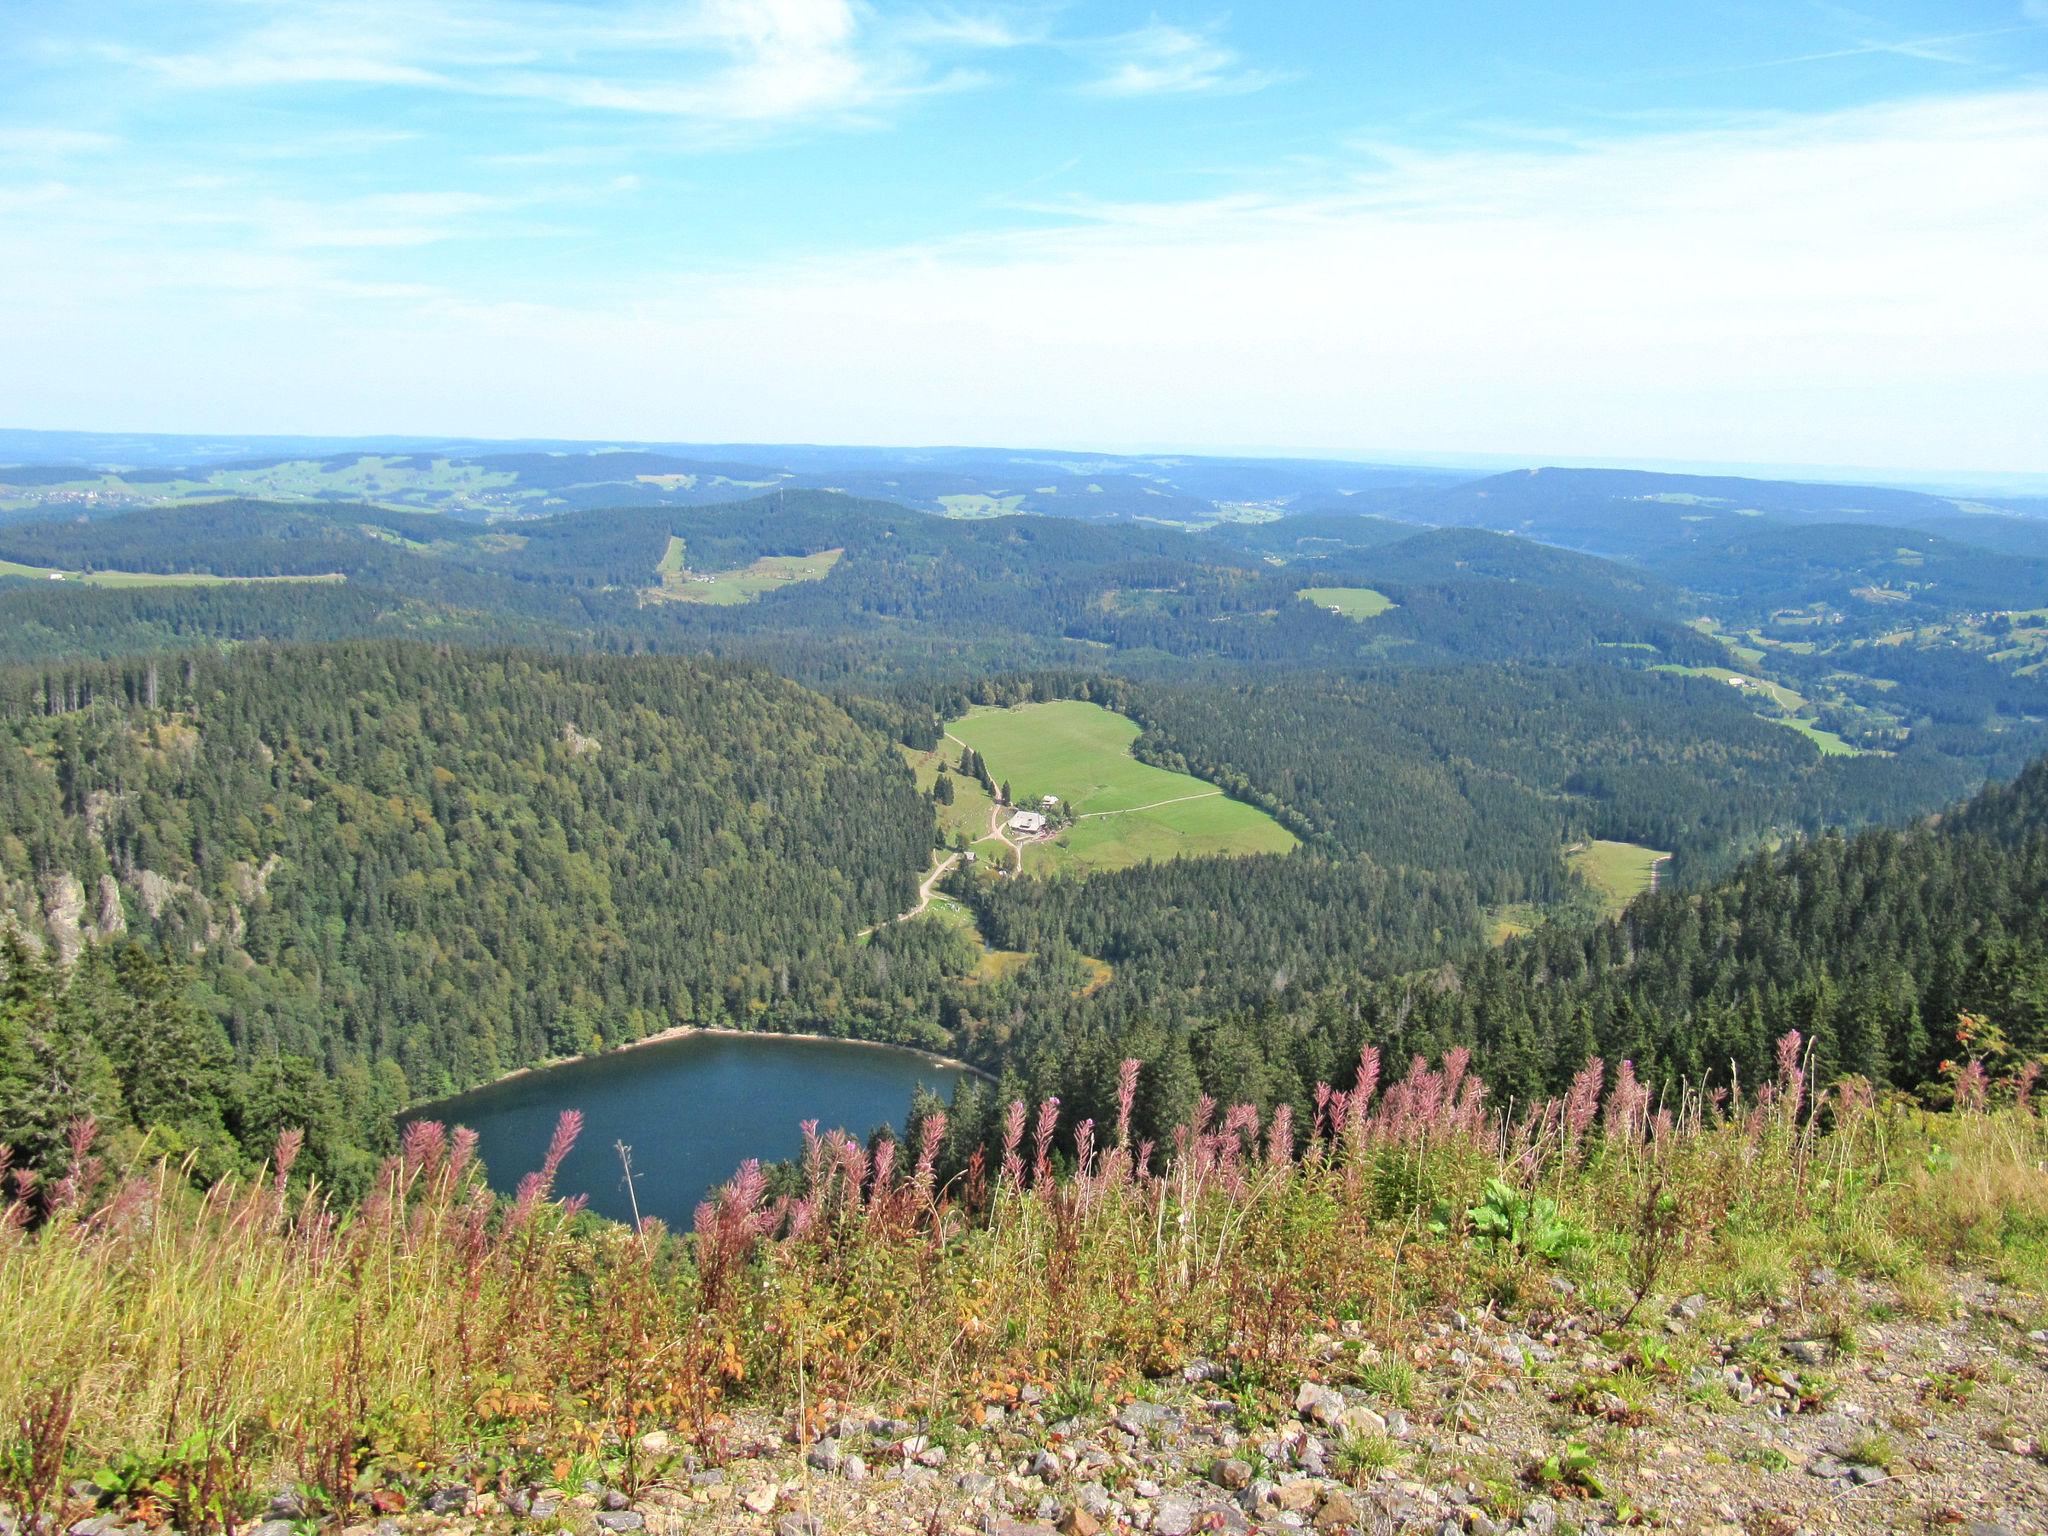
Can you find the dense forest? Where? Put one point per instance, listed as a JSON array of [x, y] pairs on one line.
[[456, 862], [495, 797]]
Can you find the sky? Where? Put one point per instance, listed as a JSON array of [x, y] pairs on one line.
[[1734, 231]]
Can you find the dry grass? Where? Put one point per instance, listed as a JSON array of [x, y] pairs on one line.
[[194, 1351]]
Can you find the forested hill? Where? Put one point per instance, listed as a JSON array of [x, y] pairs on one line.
[[457, 862], [1870, 945]]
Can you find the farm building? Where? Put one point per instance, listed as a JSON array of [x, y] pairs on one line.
[[1048, 801], [1029, 822]]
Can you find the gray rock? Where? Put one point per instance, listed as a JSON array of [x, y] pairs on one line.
[[1137, 1418], [1359, 1422], [1809, 1351], [287, 1506], [615, 1500], [1200, 1370], [1175, 1516], [621, 1520], [708, 1478], [1540, 1516], [1047, 1466], [976, 1485], [1397, 1424], [1233, 1474], [799, 1525], [853, 1468], [1319, 1404], [449, 1501], [1866, 1475], [1989, 1528], [825, 1455], [1094, 1498]]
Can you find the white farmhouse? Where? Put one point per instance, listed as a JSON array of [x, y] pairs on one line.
[[1031, 823]]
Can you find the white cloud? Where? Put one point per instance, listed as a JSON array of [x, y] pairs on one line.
[[1164, 60], [1857, 288], [720, 61]]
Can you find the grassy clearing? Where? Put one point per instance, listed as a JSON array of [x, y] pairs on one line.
[[1829, 743], [725, 589], [1792, 706], [1618, 872], [975, 504], [967, 818], [1512, 921], [1352, 602], [155, 578], [1127, 812]]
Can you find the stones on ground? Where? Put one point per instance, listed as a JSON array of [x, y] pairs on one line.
[[1319, 1404], [449, 1501], [1297, 1496], [2013, 1444], [621, 1520], [799, 1525], [1360, 1422], [613, 1499], [1079, 1522], [1233, 1473], [1046, 1467], [1140, 1417], [825, 1455], [1809, 1351], [853, 1468], [1338, 1508], [761, 1498], [976, 1485]]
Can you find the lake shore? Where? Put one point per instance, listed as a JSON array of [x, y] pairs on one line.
[[684, 1031]]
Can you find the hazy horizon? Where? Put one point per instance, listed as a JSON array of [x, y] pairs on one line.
[[1794, 236]]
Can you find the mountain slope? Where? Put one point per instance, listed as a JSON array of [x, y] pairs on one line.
[[458, 862]]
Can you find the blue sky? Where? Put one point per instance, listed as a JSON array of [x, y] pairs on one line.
[[1777, 231]]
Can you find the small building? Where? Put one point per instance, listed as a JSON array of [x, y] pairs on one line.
[[1031, 823], [1048, 801]]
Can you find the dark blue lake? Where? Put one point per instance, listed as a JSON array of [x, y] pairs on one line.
[[692, 1109]]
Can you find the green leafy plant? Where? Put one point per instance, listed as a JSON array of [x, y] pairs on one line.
[[1571, 1468], [1530, 1226]]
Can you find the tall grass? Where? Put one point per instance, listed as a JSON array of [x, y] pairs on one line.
[[194, 1353]]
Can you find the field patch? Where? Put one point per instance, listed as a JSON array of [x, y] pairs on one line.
[[153, 578], [976, 504], [1617, 872], [1791, 706], [724, 589], [1126, 812], [1351, 602]]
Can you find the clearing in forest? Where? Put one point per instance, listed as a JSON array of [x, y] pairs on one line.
[[1127, 812], [770, 573], [1792, 706], [152, 578], [1351, 602], [1618, 872]]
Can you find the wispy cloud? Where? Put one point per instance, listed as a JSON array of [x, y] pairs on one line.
[[1164, 60], [721, 61]]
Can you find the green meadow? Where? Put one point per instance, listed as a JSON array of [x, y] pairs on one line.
[[1351, 602], [1127, 812]]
